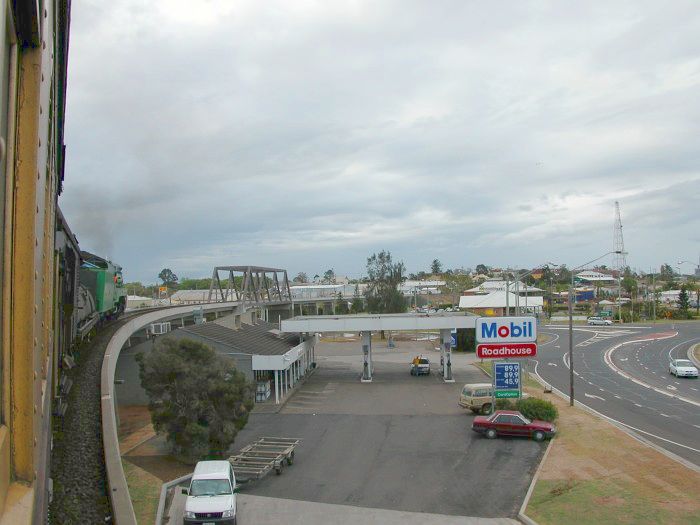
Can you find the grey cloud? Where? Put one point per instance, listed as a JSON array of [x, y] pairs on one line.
[[308, 137]]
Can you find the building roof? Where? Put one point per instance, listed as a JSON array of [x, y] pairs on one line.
[[491, 285], [497, 299], [261, 338], [590, 275], [196, 295]]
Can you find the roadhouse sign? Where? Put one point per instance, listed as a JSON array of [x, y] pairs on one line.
[[501, 350]]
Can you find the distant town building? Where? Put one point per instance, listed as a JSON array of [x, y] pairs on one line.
[[494, 303]]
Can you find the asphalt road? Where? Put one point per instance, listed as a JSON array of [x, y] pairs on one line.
[[659, 407], [400, 443]]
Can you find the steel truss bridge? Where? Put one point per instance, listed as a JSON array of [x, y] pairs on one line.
[[250, 285]]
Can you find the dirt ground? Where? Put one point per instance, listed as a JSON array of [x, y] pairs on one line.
[[600, 474]]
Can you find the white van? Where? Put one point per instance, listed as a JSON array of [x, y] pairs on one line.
[[477, 397], [211, 498]]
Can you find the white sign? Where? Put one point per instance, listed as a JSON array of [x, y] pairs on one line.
[[506, 329]]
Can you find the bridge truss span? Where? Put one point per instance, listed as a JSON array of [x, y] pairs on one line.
[[250, 284]]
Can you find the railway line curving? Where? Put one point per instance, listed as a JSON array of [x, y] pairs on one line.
[[77, 458]]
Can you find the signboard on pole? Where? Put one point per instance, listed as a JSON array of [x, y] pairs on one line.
[[506, 329], [507, 380], [504, 337], [505, 350]]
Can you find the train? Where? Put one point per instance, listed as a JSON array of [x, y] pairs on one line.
[[90, 291]]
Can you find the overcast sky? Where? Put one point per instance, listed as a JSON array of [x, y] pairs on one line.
[[308, 135]]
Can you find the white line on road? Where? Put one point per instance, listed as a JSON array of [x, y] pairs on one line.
[[607, 357], [552, 364], [593, 396], [671, 387], [676, 457], [638, 405], [662, 414]]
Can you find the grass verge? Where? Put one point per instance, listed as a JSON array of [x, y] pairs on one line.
[[144, 489], [597, 474]]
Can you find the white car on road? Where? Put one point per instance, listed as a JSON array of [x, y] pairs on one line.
[[682, 368], [599, 321]]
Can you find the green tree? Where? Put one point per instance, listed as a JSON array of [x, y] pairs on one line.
[[168, 277], [357, 305], [482, 269], [329, 277], [385, 276], [629, 283], [455, 284], [666, 273], [188, 283], [197, 398], [341, 305], [683, 301], [301, 278], [436, 267]]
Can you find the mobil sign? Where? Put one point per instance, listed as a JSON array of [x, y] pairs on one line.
[[499, 337]]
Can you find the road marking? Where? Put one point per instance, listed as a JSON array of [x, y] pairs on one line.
[[677, 458], [552, 364], [607, 357], [671, 387], [618, 397], [623, 359], [692, 388], [696, 426], [662, 414], [592, 396], [638, 405]]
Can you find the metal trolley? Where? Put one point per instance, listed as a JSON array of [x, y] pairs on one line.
[[256, 460]]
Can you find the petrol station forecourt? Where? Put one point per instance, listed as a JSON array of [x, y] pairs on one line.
[[398, 442]]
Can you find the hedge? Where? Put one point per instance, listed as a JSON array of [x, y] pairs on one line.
[[534, 408]]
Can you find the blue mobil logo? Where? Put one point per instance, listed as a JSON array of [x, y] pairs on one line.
[[506, 329]]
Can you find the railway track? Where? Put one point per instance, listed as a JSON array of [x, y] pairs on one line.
[[77, 458]]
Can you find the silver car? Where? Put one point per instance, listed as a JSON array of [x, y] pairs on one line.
[[599, 321], [682, 368]]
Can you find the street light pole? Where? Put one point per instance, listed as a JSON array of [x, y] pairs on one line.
[[571, 326]]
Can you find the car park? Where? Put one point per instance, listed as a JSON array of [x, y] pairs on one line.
[[420, 366], [211, 497], [512, 423], [599, 321], [477, 397], [682, 368]]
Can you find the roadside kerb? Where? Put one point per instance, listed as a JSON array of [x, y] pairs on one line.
[[521, 514], [164, 496], [608, 361], [120, 500], [629, 430], [691, 355]]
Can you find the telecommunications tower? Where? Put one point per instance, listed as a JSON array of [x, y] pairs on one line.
[[620, 261]]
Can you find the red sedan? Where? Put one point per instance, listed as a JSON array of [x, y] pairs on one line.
[[512, 423]]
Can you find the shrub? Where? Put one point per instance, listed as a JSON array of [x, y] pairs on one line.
[[197, 398], [504, 404], [534, 408]]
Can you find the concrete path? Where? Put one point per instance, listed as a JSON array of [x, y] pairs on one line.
[[273, 511], [263, 511]]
